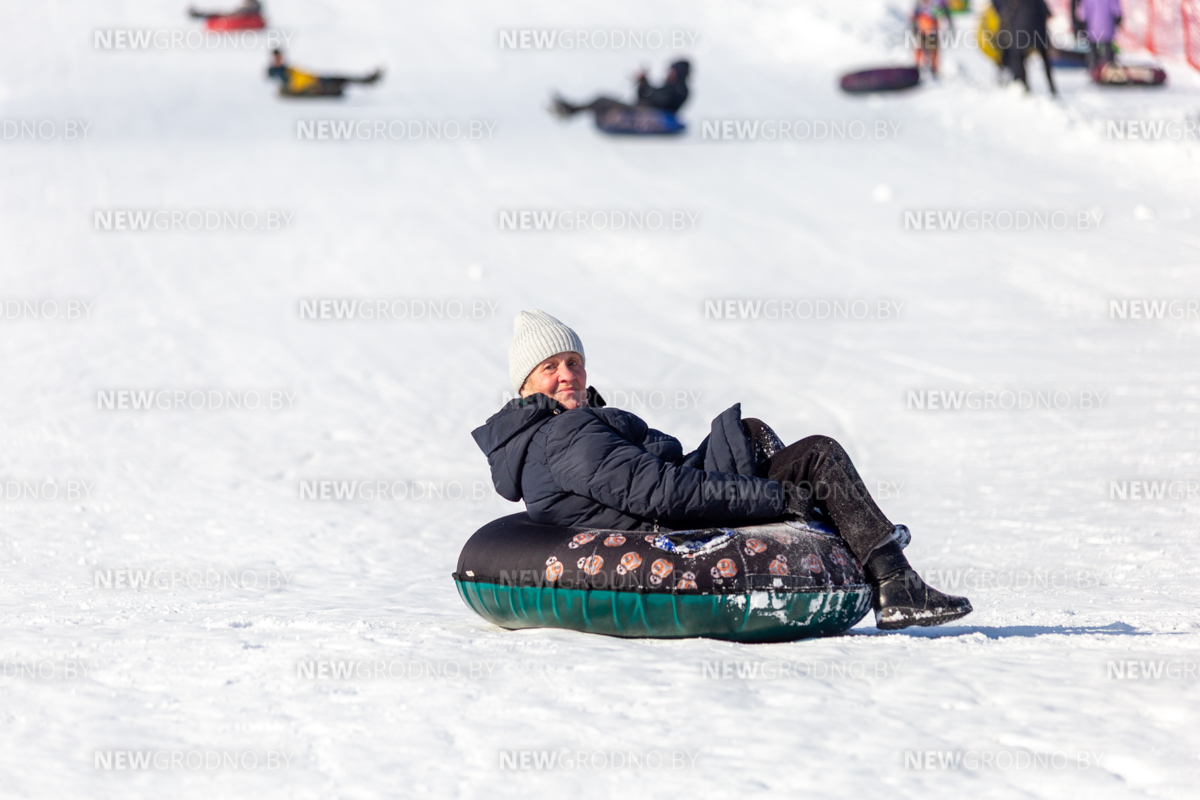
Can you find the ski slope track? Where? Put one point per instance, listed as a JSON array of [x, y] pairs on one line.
[[1071, 525]]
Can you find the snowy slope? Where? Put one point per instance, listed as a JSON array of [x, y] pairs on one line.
[[1013, 507]]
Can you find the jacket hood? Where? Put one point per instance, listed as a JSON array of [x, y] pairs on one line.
[[505, 439], [682, 68]]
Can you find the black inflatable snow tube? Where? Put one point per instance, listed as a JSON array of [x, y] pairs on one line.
[[774, 582]]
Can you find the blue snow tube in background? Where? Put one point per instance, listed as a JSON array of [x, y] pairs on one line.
[[766, 583], [639, 122]]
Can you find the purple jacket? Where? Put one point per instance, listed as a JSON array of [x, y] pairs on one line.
[[1101, 17]]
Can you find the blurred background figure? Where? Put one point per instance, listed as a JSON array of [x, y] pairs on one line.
[[1078, 26], [297, 83], [1022, 28], [246, 17], [1100, 20], [926, 28], [669, 97], [247, 8]]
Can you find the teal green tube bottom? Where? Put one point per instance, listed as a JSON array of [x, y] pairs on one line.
[[751, 616]]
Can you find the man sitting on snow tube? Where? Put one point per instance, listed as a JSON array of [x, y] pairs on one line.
[[296, 83], [577, 463], [669, 97]]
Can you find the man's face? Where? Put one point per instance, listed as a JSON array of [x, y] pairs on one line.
[[562, 377]]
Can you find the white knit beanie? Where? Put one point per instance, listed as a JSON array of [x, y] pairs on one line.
[[536, 337]]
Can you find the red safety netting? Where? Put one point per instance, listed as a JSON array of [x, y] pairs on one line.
[[1135, 23], [1164, 27], [1191, 31]]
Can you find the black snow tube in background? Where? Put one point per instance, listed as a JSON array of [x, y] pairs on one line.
[[885, 79]]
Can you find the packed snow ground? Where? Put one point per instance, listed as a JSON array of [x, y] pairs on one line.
[[1018, 508]]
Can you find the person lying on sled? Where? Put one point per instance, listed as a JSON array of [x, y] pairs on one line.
[[298, 82], [577, 463], [669, 97]]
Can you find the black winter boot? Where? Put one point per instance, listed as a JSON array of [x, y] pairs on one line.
[[562, 109], [903, 599]]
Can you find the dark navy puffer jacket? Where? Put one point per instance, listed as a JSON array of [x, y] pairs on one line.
[[605, 468]]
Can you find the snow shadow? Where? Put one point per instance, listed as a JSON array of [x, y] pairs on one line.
[[1017, 631]]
